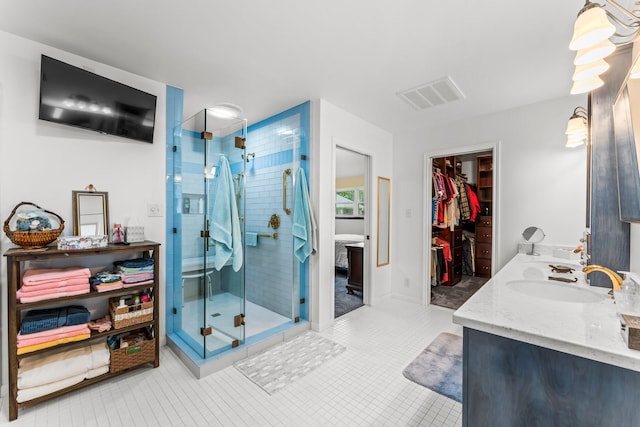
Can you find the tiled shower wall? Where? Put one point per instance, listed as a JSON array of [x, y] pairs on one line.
[[269, 277]]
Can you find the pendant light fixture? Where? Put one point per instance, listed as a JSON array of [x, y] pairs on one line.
[[598, 30]]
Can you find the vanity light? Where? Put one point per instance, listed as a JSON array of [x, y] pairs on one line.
[[593, 53], [582, 86], [587, 71], [596, 34], [577, 128], [591, 27]]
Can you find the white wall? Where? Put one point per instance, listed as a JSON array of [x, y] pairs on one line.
[[540, 182], [333, 126], [42, 162]]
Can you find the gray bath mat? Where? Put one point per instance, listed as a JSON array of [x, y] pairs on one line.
[[281, 365], [439, 366]]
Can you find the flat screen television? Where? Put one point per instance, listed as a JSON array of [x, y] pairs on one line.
[[72, 96]]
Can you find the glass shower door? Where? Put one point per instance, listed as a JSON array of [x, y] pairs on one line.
[[210, 316], [224, 222]]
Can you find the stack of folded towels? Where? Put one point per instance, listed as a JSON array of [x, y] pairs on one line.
[[40, 375], [134, 272], [53, 326], [44, 284], [106, 281]]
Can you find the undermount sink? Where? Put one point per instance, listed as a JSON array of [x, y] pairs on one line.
[[555, 291]]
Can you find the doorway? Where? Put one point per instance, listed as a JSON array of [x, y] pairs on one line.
[[461, 224], [350, 230]]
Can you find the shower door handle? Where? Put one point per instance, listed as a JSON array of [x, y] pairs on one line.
[[284, 191]]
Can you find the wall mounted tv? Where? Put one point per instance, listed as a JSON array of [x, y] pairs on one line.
[[72, 96]]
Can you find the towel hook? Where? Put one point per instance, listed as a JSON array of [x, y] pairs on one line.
[[284, 191]]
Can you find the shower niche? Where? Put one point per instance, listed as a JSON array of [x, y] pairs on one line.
[[230, 291]]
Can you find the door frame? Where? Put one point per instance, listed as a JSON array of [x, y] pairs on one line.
[[367, 254], [494, 147]]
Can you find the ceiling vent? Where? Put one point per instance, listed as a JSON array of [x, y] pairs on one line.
[[437, 92]]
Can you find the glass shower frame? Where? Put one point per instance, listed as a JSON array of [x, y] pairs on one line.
[[291, 126], [210, 317]]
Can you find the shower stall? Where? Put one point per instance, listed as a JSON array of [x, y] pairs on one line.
[[235, 279]]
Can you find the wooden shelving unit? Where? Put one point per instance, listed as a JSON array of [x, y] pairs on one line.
[[484, 227], [17, 259]]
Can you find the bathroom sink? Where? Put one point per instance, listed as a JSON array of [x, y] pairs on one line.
[[555, 291]]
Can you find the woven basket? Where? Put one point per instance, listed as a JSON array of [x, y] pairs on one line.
[[128, 357], [32, 239], [129, 315]]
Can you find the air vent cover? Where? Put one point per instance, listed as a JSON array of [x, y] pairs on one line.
[[437, 92]]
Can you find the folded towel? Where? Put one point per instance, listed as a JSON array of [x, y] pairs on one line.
[[36, 347], [35, 392], [50, 318], [62, 293], [38, 276], [56, 284], [251, 239], [303, 229], [51, 334], [38, 370], [225, 227]]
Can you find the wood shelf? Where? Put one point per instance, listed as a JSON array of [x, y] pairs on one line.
[[16, 259]]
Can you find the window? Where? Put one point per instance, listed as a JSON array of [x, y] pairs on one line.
[[350, 203]]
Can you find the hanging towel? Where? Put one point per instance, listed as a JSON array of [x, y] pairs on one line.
[[251, 239], [225, 227], [303, 221]]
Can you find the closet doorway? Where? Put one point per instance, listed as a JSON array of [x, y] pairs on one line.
[[351, 230], [461, 224]]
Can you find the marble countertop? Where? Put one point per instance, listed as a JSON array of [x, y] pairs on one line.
[[584, 324]]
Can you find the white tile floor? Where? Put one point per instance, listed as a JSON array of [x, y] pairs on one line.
[[363, 386]]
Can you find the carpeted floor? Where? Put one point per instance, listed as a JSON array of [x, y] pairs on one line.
[[454, 296], [345, 302]]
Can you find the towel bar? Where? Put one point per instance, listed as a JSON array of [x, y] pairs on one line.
[[271, 236], [284, 191]]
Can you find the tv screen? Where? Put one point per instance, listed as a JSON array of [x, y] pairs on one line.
[[72, 96]]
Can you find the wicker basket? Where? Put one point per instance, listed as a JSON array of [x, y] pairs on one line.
[[32, 239], [130, 315], [129, 357]]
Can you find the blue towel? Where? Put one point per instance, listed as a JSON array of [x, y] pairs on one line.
[[302, 227], [225, 227], [251, 239]]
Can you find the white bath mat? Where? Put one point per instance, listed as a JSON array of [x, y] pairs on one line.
[[278, 366]]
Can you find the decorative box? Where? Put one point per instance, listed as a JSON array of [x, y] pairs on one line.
[[631, 333], [134, 234], [72, 243]]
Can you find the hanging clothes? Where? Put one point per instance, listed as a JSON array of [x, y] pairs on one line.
[[474, 204], [465, 210]]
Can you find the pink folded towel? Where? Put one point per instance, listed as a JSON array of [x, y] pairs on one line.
[[38, 276], [52, 335], [55, 284], [35, 298], [28, 292]]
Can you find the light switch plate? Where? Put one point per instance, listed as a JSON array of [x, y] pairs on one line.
[[154, 209]]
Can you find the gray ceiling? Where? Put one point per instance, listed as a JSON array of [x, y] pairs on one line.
[[270, 55]]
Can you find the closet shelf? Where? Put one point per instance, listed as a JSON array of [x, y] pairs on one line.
[[92, 294]]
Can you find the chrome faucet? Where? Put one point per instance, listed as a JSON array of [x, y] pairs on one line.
[[616, 280]]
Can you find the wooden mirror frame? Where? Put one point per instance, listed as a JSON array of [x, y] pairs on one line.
[[77, 206], [384, 223]]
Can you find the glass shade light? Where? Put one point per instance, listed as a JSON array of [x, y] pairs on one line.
[[225, 110], [583, 86], [587, 71], [591, 54], [573, 142], [577, 126], [591, 26]]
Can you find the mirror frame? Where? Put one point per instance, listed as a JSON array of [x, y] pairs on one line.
[[384, 221], [76, 195]]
